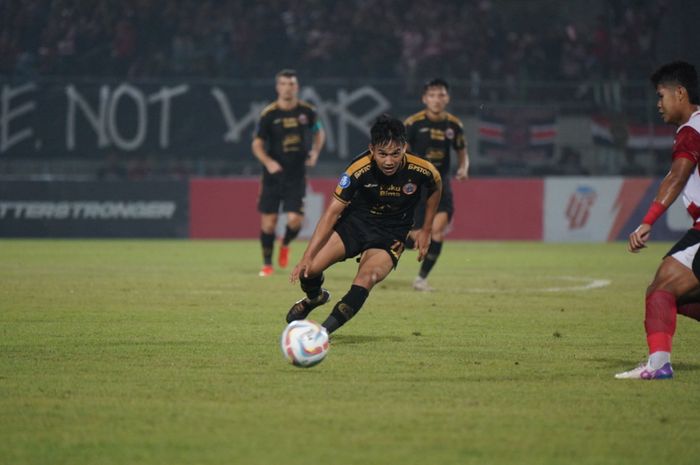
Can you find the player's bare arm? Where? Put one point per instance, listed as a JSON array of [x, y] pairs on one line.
[[321, 234], [422, 236], [258, 148], [319, 138], [671, 186], [463, 168]]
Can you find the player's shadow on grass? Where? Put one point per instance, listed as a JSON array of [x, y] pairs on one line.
[[362, 339], [616, 363], [681, 366]]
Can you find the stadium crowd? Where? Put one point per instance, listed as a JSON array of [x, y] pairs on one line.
[[480, 39]]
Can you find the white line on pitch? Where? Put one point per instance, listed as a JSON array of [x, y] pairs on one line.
[[587, 284]]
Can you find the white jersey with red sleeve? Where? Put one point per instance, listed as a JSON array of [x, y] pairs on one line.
[[687, 145]]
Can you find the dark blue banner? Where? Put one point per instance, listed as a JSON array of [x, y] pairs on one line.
[[94, 209]]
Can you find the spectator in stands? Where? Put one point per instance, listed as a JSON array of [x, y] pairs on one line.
[[203, 38]]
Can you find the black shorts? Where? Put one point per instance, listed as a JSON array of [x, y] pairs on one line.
[[684, 251], [446, 205], [287, 190], [359, 235]]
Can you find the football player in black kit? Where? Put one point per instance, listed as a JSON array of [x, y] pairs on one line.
[[370, 214], [288, 138], [432, 134]]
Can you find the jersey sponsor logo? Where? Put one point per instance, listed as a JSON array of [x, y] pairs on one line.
[[344, 181], [409, 188], [450, 134], [291, 143], [424, 130], [434, 154], [290, 122], [390, 191], [362, 171], [303, 119], [420, 169], [368, 186], [437, 134], [579, 207]]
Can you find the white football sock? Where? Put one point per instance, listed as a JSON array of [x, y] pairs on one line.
[[658, 359]]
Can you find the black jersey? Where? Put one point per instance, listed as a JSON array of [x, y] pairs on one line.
[[287, 134], [388, 200], [432, 140]]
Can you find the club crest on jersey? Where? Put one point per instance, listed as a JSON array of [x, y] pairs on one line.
[[409, 188], [303, 119], [450, 134], [344, 181]]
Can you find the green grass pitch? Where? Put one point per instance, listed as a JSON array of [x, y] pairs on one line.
[[167, 352]]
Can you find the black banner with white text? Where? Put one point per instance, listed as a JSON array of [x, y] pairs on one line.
[[94, 209], [87, 119]]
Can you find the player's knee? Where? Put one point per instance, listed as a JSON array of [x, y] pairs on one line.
[[663, 285], [267, 225], [653, 287], [294, 221], [363, 280], [663, 281], [368, 278]]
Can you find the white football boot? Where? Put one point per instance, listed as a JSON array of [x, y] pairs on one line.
[[644, 371], [421, 284]]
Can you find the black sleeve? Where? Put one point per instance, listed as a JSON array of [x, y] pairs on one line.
[[262, 129]]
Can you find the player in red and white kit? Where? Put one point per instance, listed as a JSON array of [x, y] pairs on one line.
[[676, 286]]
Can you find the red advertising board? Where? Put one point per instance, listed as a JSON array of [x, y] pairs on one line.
[[222, 208], [485, 209], [497, 209]]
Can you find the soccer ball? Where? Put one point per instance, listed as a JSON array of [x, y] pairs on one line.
[[304, 343]]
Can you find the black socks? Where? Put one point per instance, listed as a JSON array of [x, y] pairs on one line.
[[430, 258], [290, 235], [311, 286], [349, 305], [267, 241]]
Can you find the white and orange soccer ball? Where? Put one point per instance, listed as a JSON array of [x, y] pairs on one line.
[[304, 343]]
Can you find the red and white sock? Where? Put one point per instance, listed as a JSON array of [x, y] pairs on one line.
[[660, 325]]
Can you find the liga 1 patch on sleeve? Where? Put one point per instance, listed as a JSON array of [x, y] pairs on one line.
[[344, 181]]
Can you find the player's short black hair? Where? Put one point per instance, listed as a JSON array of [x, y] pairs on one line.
[[387, 129], [680, 73], [435, 82], [287, 72]]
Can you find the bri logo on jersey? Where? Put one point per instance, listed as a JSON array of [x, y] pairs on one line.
[[579, 207], [344, 181], [409, 188]]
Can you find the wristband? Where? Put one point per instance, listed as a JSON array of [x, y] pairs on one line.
[[656, 209]]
